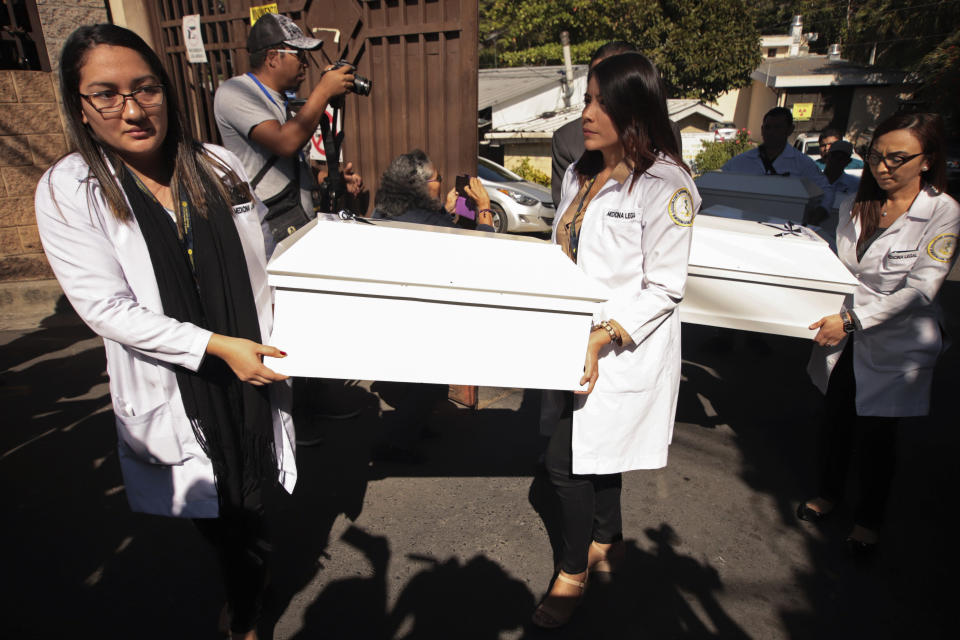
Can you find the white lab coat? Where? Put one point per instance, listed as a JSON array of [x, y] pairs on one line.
[[104, 268], [900, 274], [630, 242]]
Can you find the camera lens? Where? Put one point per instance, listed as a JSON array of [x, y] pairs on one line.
[[361, 85]]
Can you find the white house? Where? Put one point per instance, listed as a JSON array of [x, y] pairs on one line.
[[520, 108]]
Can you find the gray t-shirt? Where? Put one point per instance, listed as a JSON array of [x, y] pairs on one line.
[[239, 105]]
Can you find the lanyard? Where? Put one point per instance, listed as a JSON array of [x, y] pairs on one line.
[[574, 241], [187, 240], [267, 93], [285, 108]]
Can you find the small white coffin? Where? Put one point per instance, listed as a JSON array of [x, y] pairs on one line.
[[409, 303], [759, 197], [759, 277]]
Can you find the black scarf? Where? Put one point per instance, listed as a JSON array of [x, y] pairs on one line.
[[202, 277]]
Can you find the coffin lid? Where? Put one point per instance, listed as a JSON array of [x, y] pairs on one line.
[[753, 186], [745, 249], [395, 254]]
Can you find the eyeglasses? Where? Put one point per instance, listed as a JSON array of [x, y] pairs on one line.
[[300, 53], [110, 102], [892, 161]]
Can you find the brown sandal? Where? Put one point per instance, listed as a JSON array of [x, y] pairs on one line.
[[550, 616]]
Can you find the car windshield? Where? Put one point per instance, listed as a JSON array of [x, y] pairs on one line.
[[813, 148], [494, 172]]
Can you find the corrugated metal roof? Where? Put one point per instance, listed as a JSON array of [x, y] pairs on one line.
[[538, 127], [544, 126], [821, 70], [502, 85]]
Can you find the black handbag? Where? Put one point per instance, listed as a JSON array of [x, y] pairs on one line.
[[285, 212]]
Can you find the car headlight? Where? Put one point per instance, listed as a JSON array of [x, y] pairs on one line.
[[520, 198]]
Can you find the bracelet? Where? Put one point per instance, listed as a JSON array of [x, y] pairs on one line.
[[490, 211], [610, 330]]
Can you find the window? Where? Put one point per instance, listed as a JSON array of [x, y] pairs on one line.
[[21, 38], [771, 53]]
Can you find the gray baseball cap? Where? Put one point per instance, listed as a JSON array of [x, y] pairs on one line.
[[273, 29]]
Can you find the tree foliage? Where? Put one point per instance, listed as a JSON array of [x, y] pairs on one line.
[[714, 155], [702, 47]]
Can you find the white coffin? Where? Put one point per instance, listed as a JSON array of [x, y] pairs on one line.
[[759, 197], [753, 276], [410, 303]]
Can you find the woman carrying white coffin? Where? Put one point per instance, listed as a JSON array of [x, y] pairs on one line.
[[628, 206], [156, 241], [874, 360]]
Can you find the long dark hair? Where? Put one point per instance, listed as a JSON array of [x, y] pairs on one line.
[[634, 98], [927, 128], [403, 186], [193, 168]]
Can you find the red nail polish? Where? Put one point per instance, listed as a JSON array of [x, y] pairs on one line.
[[283, 353]]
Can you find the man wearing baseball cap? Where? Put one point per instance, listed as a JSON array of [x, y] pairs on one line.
[[256, 124], [840, 186], [258, 127]]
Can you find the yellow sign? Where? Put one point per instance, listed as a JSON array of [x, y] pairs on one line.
[[803, 111], [256, 12]]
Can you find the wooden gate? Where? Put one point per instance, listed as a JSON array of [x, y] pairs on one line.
[[420, 54]]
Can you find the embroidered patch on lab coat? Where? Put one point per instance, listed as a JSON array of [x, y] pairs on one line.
[[680, 208], [942, 247]]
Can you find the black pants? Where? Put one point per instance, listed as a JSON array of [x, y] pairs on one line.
[[843, 432], [242, 550], [589, 504]]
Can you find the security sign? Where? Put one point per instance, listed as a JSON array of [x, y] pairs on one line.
[[263, 9], [802, 110]]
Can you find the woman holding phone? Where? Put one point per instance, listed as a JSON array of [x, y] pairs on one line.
[[155, 239], [628, 207]]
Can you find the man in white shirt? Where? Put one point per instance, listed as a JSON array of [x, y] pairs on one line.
[[775, 157]]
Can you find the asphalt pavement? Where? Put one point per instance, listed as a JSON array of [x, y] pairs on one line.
[[462, 545]]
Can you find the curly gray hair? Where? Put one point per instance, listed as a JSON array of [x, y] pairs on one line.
[[403, 186]]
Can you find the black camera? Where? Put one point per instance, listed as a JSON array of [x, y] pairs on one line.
[[361, 85]]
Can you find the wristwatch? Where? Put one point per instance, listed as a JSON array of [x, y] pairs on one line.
[[848, 326]]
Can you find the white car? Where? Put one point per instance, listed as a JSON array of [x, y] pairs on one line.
[[723, 131], [518, 205]]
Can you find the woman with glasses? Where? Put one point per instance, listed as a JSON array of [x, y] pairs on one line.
[[628, 206], [874, 359], [155, 239], [409, 192]]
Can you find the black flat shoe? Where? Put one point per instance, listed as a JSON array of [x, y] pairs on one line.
[[808, 514]]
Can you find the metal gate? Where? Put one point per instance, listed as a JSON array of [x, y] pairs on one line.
[[420, 54]]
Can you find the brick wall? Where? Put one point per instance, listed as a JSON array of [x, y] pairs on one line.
[[31, 137]]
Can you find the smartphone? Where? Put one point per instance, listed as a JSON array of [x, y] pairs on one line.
[[466, 208], [461, 185]]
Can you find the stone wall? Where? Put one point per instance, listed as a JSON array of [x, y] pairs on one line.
[[60, 17], [31, 137]]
